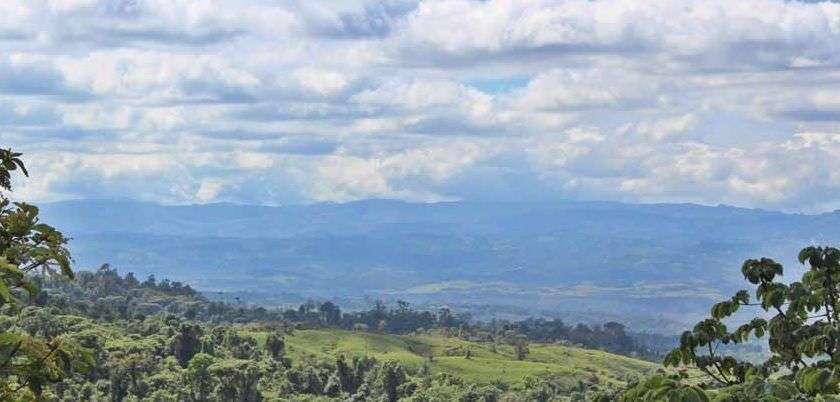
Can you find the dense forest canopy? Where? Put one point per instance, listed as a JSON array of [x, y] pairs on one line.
[[186, 326], [107, 295]]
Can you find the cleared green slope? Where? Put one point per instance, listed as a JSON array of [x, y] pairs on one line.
[[486, 364]]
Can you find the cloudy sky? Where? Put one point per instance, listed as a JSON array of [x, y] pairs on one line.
[[276, 102]]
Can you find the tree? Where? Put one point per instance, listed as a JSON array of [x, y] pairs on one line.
[[803, 333], [276, 346], [186, 342], [330, 313], [28, 246], [239, 380], [521, 349], [150, 281], [131, 280], [333, 387], [391, 376], [200, 380], [345, 375]]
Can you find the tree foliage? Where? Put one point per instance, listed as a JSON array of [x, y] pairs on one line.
[[28, 246], [800, 321]]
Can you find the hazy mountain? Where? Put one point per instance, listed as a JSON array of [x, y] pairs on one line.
[[574, 258]]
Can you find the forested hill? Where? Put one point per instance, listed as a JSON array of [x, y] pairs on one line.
[[159, 340], [105, 295], [580, 259]]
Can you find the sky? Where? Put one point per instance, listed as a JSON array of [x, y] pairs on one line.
[[278, 102]]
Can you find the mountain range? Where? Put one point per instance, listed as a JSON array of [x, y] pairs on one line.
[[650, 265]]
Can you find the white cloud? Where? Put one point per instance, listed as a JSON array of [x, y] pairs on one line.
[[321, 82], [590, 88], [417, 174], [209, 190], [707, 32], [272, 102], [668, 127]]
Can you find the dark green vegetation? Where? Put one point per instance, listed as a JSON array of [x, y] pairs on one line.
[[146, 336], [28, 247], [105, 295], [800, 321], [589, 261]]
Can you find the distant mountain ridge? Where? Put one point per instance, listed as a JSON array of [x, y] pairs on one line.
[[601, 257]]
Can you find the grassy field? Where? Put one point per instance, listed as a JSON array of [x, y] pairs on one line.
[[567, 364]]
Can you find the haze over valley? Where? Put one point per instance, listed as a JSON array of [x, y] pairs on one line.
[[640, 264]]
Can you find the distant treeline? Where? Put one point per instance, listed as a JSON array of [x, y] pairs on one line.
[[105, 294]]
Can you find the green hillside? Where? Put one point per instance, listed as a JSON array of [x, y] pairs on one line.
[[162, 341], [567, 364]]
